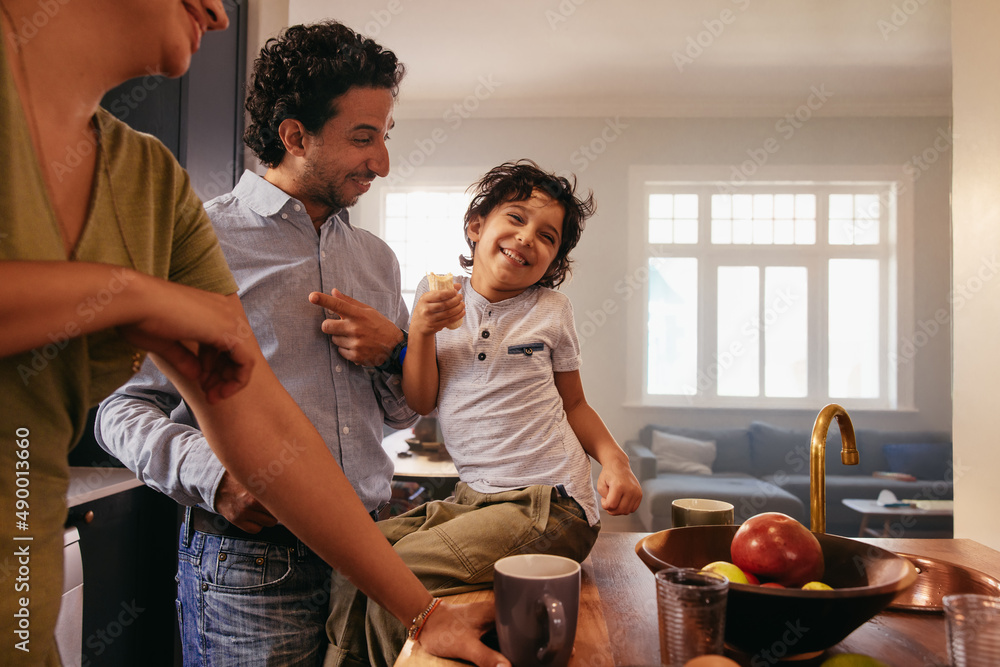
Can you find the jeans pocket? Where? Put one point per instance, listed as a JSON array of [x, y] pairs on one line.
[[249, 565]]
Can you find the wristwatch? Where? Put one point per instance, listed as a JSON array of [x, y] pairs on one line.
[[394, 364]]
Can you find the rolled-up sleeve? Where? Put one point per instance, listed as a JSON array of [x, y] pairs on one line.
[[147, 427]]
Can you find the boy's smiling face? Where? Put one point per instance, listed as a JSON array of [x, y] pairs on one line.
[[515, 245]]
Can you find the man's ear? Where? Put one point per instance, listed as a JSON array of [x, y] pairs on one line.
[[475, 229], [293, 134]]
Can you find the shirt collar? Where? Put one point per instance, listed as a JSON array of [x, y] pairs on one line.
[[267, 200]]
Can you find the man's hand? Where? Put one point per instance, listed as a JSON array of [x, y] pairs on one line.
[[362, 334], [233, 501]]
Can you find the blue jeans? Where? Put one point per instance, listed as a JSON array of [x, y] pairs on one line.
[[243, 603]]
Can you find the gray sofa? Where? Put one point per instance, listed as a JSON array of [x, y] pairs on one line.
[[764, 468]]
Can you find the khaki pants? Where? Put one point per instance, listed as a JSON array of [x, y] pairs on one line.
[[451, 547]]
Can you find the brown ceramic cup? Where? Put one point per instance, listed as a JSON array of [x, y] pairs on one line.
[[701, 512], [537, 602]]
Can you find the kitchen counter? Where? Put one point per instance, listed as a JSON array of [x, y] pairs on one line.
[[89, 484], [627, 595]]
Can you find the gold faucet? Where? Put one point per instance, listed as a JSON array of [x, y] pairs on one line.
[[817, 459]]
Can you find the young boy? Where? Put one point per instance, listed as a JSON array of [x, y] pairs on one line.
[[507, 382], [511, 404]]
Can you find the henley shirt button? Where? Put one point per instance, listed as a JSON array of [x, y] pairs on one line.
[[482, 356], [486, 334], [339, 369], [346, 430], [284, 216], [296, 207]]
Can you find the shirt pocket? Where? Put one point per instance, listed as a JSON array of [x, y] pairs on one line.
[[526, 349], [383, 301]]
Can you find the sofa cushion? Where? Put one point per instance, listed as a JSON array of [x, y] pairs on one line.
[[676, 453], [922, 460], [732, 445]]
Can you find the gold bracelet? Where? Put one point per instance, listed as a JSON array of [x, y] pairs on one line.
[[420, 619]]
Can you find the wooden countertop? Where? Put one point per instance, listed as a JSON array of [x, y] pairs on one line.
[[626, 591]]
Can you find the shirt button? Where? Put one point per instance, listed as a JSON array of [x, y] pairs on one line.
[[284, 216], [296, 207], [486, 334], [322, 253], [346, 430], [482, 356], [339, 369]]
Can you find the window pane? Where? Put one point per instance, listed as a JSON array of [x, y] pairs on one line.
[[661, 231], [661, 206], [722, 206], [784, 206], [763, 232], [854, 328], [805, 232], [805, 207], [737, 356], [686, 231], [786, 331], [867, 212], [841, 231], [672, 351], [395, 205], [686, 206], [784, 232], [743, 206], [742, 231], [722, 231]]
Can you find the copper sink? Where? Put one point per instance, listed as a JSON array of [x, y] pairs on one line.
[[937, 578]]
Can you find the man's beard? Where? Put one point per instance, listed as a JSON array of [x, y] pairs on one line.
[[330, 190]]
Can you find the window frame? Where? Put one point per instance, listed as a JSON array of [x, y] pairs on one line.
[[896, 273]]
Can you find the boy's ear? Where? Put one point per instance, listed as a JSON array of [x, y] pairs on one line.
[[475, 229]]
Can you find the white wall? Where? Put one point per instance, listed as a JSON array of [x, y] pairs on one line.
[[976, 237]]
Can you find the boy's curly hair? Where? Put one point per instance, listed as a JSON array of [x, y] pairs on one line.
[[515, 181], [301, 73]]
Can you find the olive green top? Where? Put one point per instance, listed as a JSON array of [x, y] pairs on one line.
[[143, 215]]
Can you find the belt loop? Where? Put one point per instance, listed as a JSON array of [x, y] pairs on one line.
[[561, 489], [188, 528]]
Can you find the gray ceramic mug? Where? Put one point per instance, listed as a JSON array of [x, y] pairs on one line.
[[701, 512], [537, 602]]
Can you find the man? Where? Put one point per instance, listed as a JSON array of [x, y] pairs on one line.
[[320, 104]]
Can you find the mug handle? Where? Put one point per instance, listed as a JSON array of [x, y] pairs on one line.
[[556, 618]]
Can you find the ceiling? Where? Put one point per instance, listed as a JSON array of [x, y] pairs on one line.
[[659, 58]]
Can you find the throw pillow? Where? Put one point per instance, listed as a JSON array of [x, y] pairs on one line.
[[677, 454], [922, 460]]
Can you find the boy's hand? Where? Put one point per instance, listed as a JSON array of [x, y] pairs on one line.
[[619, 489], [435, 310]]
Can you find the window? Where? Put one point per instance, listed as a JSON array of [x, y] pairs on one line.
[[424, 228], [772, 293]]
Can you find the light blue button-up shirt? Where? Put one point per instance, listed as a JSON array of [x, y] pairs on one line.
[[277, 259]]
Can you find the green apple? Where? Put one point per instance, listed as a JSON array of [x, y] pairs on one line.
[[734, 574]]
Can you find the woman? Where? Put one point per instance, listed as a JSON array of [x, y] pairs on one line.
[[113, 256]]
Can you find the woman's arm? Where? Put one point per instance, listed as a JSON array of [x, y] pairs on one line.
[[432, 313], [266, 442], [55, 301], [619, 489]]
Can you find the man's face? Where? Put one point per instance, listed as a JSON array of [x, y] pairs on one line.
[[349, 152]]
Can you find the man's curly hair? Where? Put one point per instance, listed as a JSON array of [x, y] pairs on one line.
[[301, 73], [515, 181]]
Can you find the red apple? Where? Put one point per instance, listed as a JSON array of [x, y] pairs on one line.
[[776, 547], [771, 584]]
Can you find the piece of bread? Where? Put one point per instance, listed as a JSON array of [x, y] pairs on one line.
[[444, 281]]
